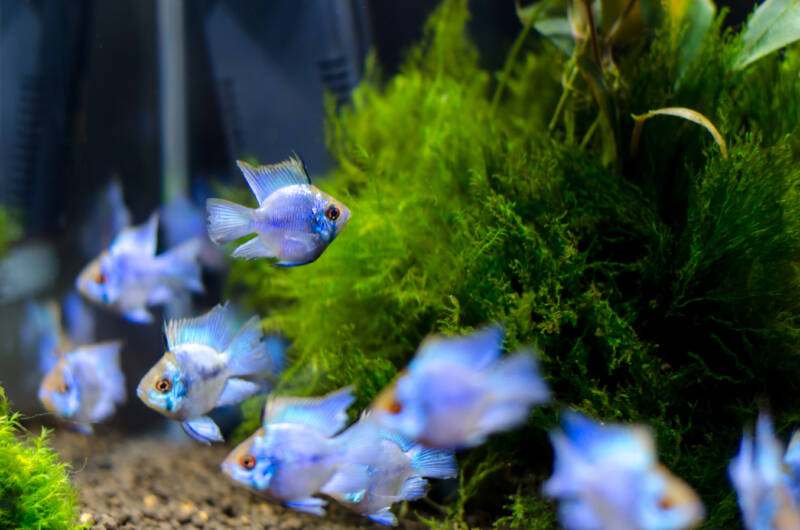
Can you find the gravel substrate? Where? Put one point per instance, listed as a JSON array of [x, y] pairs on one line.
[[158, 482]]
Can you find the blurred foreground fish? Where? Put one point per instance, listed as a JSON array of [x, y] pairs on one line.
[[183, 220], [394, 468], [457, 391], [608, 476], [294, 222], [108, 217], [204, 368], [128, 276], [294, 455], [85, 385], [766, 489]]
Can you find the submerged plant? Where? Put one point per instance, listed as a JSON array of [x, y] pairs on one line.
[[35, 491], [661, 285]]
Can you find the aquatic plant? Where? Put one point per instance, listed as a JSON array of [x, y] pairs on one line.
[[9, 230], [660, 282], [35, 491]]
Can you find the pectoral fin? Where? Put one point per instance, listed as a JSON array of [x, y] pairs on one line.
[[236, 390], [203, 429]]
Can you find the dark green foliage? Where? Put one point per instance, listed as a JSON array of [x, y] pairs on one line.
[[661, 286], [9, 231], [35, 491]]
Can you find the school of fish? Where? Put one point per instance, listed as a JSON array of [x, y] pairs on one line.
[[454, 394]]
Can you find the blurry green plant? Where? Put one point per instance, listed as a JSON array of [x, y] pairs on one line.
[[35, 491], [661, 284], [9, 230]]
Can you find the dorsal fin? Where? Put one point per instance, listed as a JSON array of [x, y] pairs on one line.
[[327, 413], [139, 239], [264, 180], [478, 349], [212, 329]]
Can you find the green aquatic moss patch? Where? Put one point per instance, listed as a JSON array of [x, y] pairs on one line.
[[35, 491], [661, 285]]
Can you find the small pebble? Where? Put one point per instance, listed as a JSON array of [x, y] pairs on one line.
[[86, 518], [200, 518]]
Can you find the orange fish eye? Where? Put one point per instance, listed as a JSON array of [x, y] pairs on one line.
[[395, 407], [247, 461], [666, 503], [62, 388], [163, 385], [332, 213]]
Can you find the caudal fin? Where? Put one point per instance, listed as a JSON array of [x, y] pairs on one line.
[[182, 262], [227, 220]]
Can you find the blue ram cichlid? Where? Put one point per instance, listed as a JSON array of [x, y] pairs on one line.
[[608, 476], [205, 367], [128, 276], [457, 391], [85, 385], [766, 488], [294, 455], [394, 470], [294, 222]]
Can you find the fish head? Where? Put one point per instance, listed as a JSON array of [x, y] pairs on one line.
[[59, 392], [330, 216], [250, 464], [397, 409], [164, 388], [97, 282]]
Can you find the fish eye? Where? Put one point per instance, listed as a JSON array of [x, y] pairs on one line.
[[332, 213], [163, 385], [395, 408], [247, 461], [63, 388]]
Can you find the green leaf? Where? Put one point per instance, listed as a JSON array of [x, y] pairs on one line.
[[694, 17], [558, 31], [605, 100], [775, 24]]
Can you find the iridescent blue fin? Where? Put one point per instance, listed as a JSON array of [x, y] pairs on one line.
[[434, 463], [327, 413], [384, 517], [310, 505], [479, 349], [203, 429], [265, 180], [214, 329], [247, 352], [139, 239], [160, 294], [181, 262], [79, 319], [139, 315], [237, 390], [227, 220], [252, 249], [414, 488]]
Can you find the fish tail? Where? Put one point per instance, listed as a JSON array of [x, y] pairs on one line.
[[227, 220], [107, 362], [181, 262], [434, 463], [247, 353]]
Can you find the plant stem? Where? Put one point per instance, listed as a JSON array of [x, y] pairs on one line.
[[573, 71]]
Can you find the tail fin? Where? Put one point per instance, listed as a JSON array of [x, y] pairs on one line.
[[181, 262], [247, 353], [227, 220], [434, 463]]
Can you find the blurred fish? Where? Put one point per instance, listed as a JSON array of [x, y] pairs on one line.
[[107, 218], [184, 220], [203, 368], [85, 385], [79, 319], [41, 332], [129, 276], [294, 454], [608, 476], [294, 222], [394, 469], [457, 391], [764, 487]]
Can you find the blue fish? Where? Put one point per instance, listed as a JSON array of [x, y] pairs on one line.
[[128, 276], [766, 490], [183, 220], [205, 367], [41, 332], [294, 454], [395, 470], [608, 476], [109, 216], [457, 391], [294, 222], [85, 385]]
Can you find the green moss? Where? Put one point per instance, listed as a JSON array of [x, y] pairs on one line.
[[661, 285], [35, 491]]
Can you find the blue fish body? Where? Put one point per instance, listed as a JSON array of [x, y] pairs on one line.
[[766, 490], [457, 391], [85, 386], [294, 221], [608, 476], [129, 276], [207, 365]]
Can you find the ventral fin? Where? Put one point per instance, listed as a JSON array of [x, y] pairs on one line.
[[265, 180], [253, 249], [139, 239], [310, 505], [383, 516], [414, 488], [327, 413], [212, 329], [203, 429], [236, 390]]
